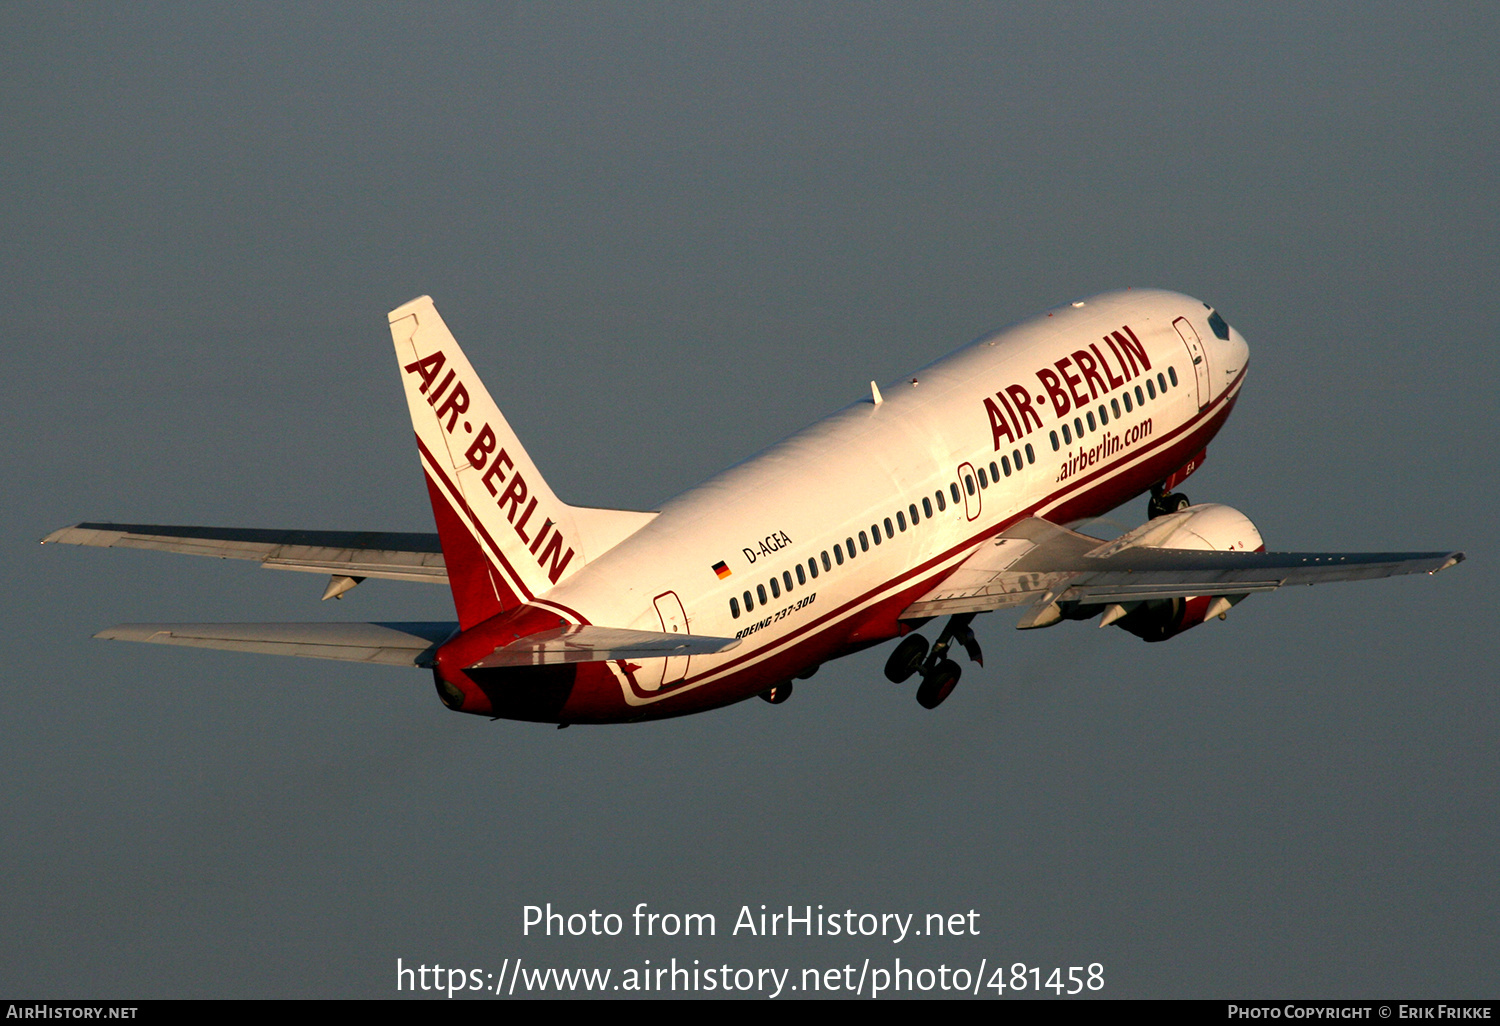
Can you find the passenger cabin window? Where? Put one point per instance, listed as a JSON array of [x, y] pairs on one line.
[[1067, 436], [1114, 405], [1140, 400], [1128, 407], [1030, 455], [1016, 455], [864, 543], [1005, 465], [901, 517], [888, 532], [849, 542], [1103, 414], [1172, 373], [953, 487], [760, 593], [984, 482], [1078, 427], [1091, 419], [734, 607], [1161, 381], [875, 533], [801, 574], [968, 484], [826, 564], [838, 555], [1151, 388], [786, 579], [775, 588], [942, 505], [749, 605], [926, 509], [812, 565], [995, 472]]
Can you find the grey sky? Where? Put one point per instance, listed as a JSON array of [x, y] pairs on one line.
[[667, 236]]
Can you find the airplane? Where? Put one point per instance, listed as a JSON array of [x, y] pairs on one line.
[[951, 493]]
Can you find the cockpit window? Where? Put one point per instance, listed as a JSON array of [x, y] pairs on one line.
[[1219, 325]]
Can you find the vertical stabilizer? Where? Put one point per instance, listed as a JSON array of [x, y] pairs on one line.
[[506, 537]]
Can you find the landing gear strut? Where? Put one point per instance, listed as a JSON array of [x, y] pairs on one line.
[[939, 673], [1162, 503]]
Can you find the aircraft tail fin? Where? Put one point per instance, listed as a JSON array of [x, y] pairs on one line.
[[506, 537]]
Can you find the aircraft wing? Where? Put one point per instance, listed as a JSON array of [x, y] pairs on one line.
[[413, 644], [394, 644], [577, 643], [356, 554], [1039, 563]]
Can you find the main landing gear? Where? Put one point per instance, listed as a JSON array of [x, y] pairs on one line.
[[939, 673], [1161, 503]]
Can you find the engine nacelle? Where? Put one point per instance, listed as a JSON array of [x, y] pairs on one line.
[[1209, 527]]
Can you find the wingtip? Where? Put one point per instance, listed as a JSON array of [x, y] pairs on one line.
[[130, 632], [57, 535]]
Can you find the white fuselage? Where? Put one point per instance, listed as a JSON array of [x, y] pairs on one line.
[[830, 489]]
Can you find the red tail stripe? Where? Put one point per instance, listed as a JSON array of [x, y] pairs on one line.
[[478, 528], [513, 578]]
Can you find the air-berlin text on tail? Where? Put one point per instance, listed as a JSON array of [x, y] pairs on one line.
[[547, 545], [1012, 416]]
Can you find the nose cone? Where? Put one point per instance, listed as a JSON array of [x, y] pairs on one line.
[[1234, 354]]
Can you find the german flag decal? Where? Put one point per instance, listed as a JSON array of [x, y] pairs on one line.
[[722, 569]]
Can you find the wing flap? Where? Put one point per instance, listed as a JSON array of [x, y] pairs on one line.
[[391, 644], [577, 643], [1036, 559], [390, 555]]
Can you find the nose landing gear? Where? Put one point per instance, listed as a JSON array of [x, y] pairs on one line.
[[1162, 503], [939, 673]]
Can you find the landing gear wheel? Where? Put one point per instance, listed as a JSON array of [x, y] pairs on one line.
[[906, 659], [1168, 502], [778, 694], [938, 684]]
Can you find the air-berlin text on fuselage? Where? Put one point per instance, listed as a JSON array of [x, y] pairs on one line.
[[1106, 447], [548, 544], [773, 542], [1012, 417]]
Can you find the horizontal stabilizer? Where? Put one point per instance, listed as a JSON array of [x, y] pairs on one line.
[[577, 643], [394, 644], [386, 554]]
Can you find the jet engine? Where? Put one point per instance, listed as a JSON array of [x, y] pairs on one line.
[[1209, 527]]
